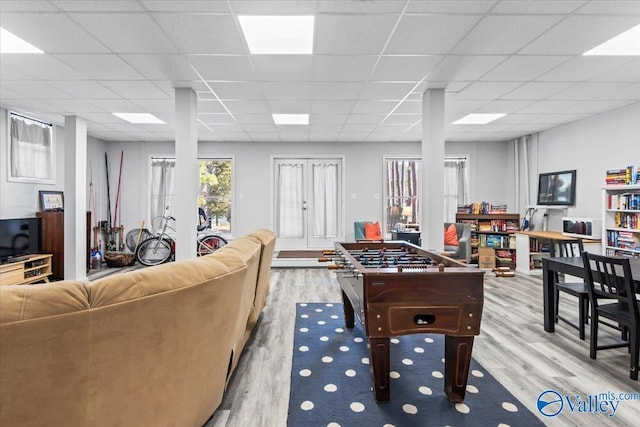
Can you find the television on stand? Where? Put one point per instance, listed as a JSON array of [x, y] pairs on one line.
[[557, 188], [19, 237]]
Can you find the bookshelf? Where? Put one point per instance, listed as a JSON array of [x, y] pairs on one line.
[[621, 220], [494, 231]]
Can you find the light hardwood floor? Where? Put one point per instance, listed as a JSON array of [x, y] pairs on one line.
[[512, 346]]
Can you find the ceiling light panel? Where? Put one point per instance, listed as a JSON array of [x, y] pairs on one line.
[[281, 35], [478, 119], [291, 119], [139, 118], [627, 44], [10, 43]]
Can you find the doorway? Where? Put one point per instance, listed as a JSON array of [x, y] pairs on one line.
[[307, 202]]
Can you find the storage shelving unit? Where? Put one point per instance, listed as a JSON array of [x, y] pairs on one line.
[[494, 231], [621, 220], [34, 269]]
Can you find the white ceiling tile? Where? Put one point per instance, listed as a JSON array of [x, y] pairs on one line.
[[546, 107], [126, 32], [373, 107], [627, 72], [332, 106], [281, 68], [504, 34], [210, 106], [592, 106], [336, 90], [273, 7], [292, 106], [156, 105], [536, 90], [446, 6], [486, 90], [280, 91], [202, 33], [365, 119], [44, 67], [503, 106], [629, 92], [429, 34], [265, 136], [386, 91], [247, 107], [217, 119], [578, 34], [185, 6], [161, 67], [99, 5], [328, 119], [237, 90], [84, 89], [116, 106], [352, 136], [51, 32], [359, 128], [405, 119], [27, 6], [410, 107], [255, 119], [538, 6], [38, 90], [325, 128], [583, 68], [101, 67], [523, 68], [223, 67], [404, 68], [613, 7], [73, 106], [464, 67], [589, 90], [135, 89], [342, 67], [355, 34]]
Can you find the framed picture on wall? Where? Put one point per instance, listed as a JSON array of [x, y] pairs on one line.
[[51, 201]]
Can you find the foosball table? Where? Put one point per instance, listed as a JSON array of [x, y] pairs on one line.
[[396, 288]]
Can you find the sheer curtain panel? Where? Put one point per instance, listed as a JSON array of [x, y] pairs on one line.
[[162, 187], [30, 150]]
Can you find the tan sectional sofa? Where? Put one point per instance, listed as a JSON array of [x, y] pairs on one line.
[[151, 347]]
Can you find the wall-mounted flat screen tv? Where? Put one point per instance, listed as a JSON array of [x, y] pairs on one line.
[[19, 236], [557, 188]]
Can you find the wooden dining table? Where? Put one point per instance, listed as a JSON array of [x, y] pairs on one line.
[[574, 267]]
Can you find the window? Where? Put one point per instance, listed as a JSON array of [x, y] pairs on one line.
[[30, 150], [214, 193], [402, 203], [402, 192]]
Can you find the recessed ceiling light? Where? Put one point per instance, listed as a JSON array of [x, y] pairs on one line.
[[10, 43], [478, 119], [292, 35], [627, 43], [140, 118], [291, 119]]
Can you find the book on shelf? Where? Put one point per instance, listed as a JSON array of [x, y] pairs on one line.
[[625, 176], [624, 201], [481, 208], [627, 220]]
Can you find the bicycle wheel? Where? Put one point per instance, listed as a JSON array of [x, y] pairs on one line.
[[132, 237], [154, 251], [209, 244]]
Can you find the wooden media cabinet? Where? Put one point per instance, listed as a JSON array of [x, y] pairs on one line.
[[33, 269]]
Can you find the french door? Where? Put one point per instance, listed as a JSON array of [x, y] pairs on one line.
[[307, 202]]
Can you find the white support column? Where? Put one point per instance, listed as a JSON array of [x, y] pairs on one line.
[[75, 198], [187, 174], [432, 221]]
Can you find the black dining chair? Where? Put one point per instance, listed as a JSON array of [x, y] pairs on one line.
[[613, 296], [571, 248]]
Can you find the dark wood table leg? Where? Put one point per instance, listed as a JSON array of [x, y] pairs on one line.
[[548, 297], [457, 358], [379, 351], [347, 307]]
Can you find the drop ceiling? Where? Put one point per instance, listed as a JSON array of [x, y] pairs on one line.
[[372, 61]]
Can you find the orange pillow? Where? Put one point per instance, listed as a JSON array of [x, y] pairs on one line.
[[372, 231], [451, 236]]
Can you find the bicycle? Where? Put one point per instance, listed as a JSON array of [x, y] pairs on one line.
[[160, 248]]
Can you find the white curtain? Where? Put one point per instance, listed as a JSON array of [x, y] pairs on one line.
[[162, 187], [455, 186], [31, 149], [289, 200], [325, 200]]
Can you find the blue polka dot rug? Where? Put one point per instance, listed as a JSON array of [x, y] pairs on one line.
[[331, 383]]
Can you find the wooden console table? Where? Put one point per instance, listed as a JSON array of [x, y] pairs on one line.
[[34, 269]]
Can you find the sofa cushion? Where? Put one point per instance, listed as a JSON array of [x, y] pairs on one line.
[[451, 236], [24, 302], [372, 231], [161, 278]]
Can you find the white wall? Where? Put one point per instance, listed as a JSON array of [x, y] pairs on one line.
[[609, 140]]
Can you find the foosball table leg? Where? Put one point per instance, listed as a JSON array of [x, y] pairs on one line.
[[457, 359], [347, 307], [380, 365]]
